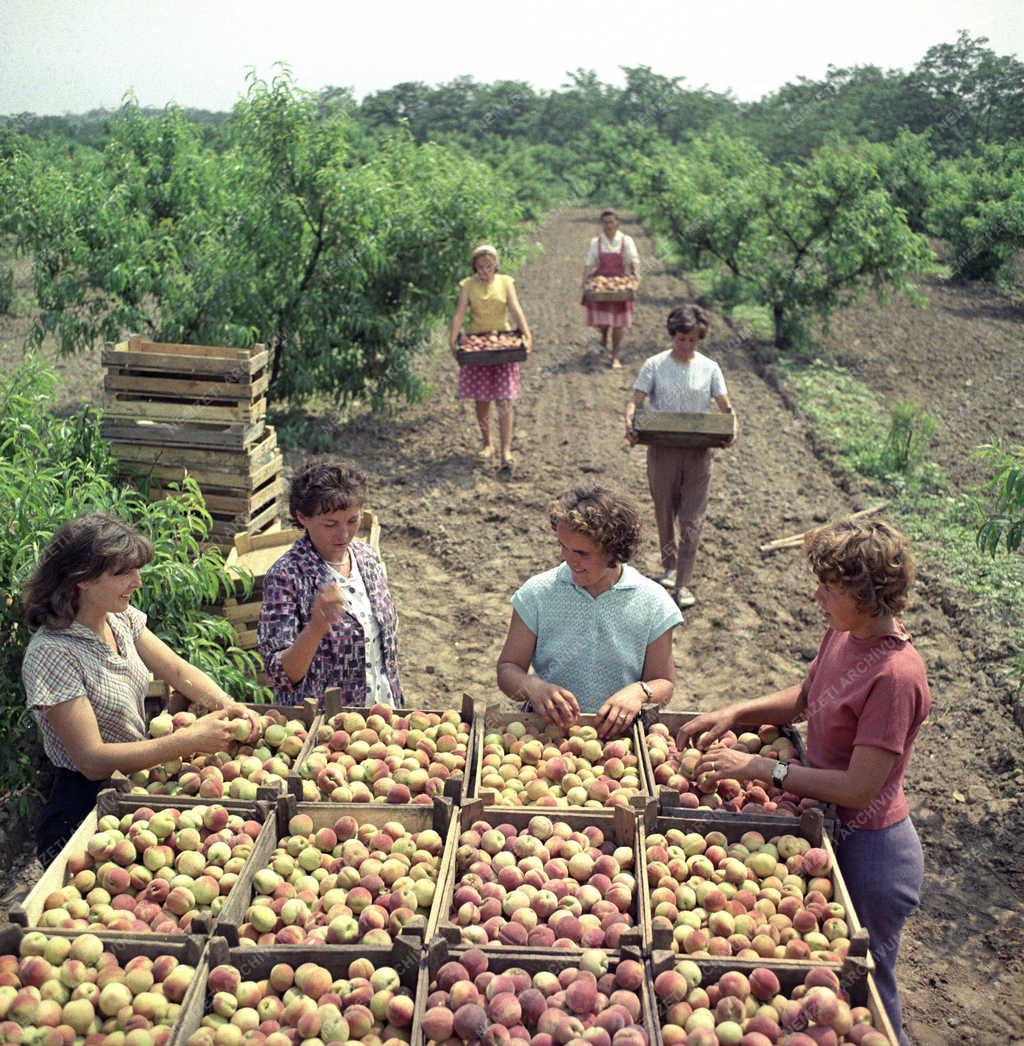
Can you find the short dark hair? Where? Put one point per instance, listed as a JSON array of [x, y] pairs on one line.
[[609, 213], [611, 520], [82, 549], [687, 318], [870, 559], [325, 486]]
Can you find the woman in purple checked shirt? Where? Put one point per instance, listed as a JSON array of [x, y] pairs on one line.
[[327, 618]]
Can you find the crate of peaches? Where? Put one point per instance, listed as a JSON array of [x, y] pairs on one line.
[[670, 770], [523, 879], [92, 988], [594, 997], [324, 874], [523, 760], [388, 755], [719, 889], [255, 765], [144, 866], [491, 347], [709, 1002], [284, 995], [611, 288]]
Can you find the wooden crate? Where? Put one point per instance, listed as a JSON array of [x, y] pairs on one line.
[[185, 384], [855, 977], [439, 816], [440, 952], [28, 911], [668, 798], [495, 720], [593, 292], [177, 702], [619, 826], [225, 471], [490, 357], [456, 789], [255, 964], [810, 827], [666, 428]]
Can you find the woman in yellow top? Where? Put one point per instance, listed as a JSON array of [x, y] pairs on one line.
[[491, 299]]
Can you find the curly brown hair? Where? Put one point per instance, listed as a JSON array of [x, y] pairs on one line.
[[686, 318], [871, 560], [81, 549], [609, 519], [323, 485]]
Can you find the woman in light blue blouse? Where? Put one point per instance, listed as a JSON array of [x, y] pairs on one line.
[[596, 631]]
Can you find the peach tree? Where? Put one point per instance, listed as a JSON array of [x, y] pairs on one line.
[[286, 225], [801, 239]]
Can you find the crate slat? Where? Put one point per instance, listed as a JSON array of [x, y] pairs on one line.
[[671, 429]]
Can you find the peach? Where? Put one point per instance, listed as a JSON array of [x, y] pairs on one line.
[[470, 1021]]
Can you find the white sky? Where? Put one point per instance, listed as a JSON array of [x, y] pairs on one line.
[[73, 55]]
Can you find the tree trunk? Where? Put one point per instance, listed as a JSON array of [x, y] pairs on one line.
[[781, 341]]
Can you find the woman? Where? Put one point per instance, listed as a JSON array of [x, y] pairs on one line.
[[490, 299], [611, 253], [597, 632], [327, 618], [87, 667], [680, 379], [865, 697]]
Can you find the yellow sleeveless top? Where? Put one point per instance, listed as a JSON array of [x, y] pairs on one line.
[[488, 303]]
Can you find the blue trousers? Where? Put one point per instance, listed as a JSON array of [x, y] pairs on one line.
[[883, 869]]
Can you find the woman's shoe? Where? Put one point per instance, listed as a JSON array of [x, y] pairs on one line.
[[684, 598]]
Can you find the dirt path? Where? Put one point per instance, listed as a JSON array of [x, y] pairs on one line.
[[458, 542]]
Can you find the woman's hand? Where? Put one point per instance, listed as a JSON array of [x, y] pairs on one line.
[[329, 605], [528, 342], [556, 704], [237, 711], [210, 733], [616, 715], [714, 724], [727, 764]]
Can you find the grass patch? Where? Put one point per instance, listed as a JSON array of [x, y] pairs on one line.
[[870, 441]]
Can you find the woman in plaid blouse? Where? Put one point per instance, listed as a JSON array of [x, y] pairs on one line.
[[87, 667], [327, 618]]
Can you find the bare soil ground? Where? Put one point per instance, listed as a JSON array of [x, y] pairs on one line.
[[458, 541]]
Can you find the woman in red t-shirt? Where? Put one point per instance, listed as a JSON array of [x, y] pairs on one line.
[[864, 698]]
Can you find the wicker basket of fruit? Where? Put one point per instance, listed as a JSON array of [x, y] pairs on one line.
[[611, 288], [490, 347]]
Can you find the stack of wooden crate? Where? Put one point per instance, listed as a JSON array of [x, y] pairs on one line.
[[201, 410]]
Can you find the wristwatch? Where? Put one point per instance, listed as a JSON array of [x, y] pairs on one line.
[[648, 692], [779, 773]]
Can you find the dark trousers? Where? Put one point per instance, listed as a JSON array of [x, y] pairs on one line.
[[883, 869], [72, 797]]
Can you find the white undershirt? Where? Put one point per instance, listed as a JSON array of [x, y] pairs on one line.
[[357, 600]]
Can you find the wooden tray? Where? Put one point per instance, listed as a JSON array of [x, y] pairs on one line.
[[619, 826], [440, 951], [668, 798], [627, 294], [440, 816], [255, 964], [666, 428], [855, 976], [457, 789], [490, 357], [496, 720], [28, 911], [732, 826]]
